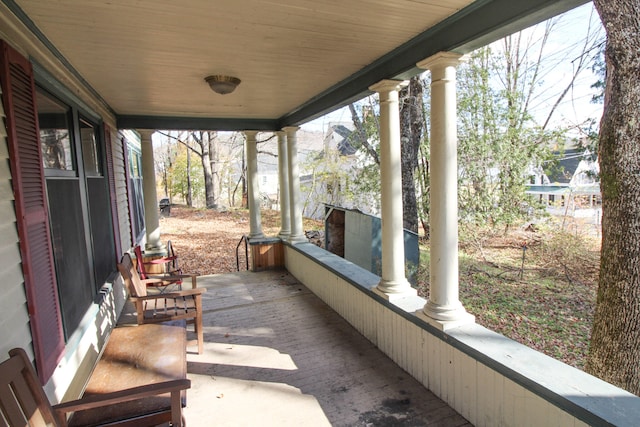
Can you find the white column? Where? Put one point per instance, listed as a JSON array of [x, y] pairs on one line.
[[283, 181], [253, 189], [297, 232], [394, 281], [444, 308], [151, 222]]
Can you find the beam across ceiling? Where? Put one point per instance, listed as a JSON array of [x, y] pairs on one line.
[[194, 123], [477, 25]]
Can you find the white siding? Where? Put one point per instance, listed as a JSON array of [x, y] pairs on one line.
[[121, 190]]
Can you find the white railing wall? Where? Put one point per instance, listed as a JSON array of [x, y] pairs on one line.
[[486, 377]]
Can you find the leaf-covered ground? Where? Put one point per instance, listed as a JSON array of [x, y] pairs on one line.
[[206, 240], [546, 303]]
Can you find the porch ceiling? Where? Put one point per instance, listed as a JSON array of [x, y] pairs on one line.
[[297, 59]]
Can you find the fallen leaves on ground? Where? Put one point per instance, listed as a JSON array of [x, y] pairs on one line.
[[206, 240], [549, 308]]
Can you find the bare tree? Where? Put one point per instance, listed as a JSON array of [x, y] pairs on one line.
[[411, 130]]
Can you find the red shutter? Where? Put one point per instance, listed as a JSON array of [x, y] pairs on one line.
[[18, 96], [112, 193]]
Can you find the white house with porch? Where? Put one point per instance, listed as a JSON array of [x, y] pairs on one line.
[[569, 185], [77, 77]]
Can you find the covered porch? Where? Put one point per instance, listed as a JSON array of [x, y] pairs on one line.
[[275, 354], [118, 66]]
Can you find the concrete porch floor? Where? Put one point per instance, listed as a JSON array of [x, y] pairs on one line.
[[276, 355]]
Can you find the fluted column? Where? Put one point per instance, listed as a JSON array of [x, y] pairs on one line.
[[253, 189], [297, 232], [151, 221], [283, 181], [444, 307], [393, 281]]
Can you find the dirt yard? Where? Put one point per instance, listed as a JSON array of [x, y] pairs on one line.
[[206, 239], [545, 301]]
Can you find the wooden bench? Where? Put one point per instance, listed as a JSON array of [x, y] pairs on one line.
[[136, 356]]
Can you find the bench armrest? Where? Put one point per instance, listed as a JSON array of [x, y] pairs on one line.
[[140, 392]]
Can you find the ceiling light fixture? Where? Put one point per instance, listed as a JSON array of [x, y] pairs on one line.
[[222, 84]]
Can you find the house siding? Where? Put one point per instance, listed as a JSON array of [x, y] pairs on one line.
[[117, 148], [83, 347], [14, 322]]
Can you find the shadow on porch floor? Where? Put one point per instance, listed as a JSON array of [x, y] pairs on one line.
[[277, 355]]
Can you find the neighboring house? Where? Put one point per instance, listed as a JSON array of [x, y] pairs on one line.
[[568, 185], [328, 182]]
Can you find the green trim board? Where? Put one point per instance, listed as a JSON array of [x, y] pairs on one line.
[[195, 123], [478, 24]]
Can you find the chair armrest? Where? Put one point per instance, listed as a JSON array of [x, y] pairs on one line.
[[169, 295], [171, 277], [151, 281], [140, 392], [161, 260]]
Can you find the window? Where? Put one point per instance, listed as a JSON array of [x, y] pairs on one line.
[[90, 152], [79, 205], [134, 156], [55, 143]]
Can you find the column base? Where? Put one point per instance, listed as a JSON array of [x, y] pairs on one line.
[[259, 235], [408, 301], [445, 318], [284, 235], [395, 289], [153, 250], [301, 238]]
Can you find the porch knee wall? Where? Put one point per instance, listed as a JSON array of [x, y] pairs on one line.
[[487, 378]]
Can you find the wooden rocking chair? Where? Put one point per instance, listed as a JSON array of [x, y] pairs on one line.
[[163, 307], [24, 403]]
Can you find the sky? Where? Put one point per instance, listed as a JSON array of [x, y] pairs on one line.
[[562, 51]]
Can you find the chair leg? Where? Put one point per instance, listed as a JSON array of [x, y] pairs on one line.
[[176, 410], [199, 332]]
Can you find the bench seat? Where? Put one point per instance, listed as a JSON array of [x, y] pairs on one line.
[[135, 356]]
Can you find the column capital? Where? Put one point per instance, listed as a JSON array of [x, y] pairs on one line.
[[145, 133], [386, 86], [442, 59], [290, 129], [250, 133]]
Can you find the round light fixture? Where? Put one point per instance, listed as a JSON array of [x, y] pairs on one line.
[[222, 84]]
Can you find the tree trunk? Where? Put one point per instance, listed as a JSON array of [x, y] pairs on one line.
[[189, 194], [614, 352], [209, 190], [411, 126], [214, 156]]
